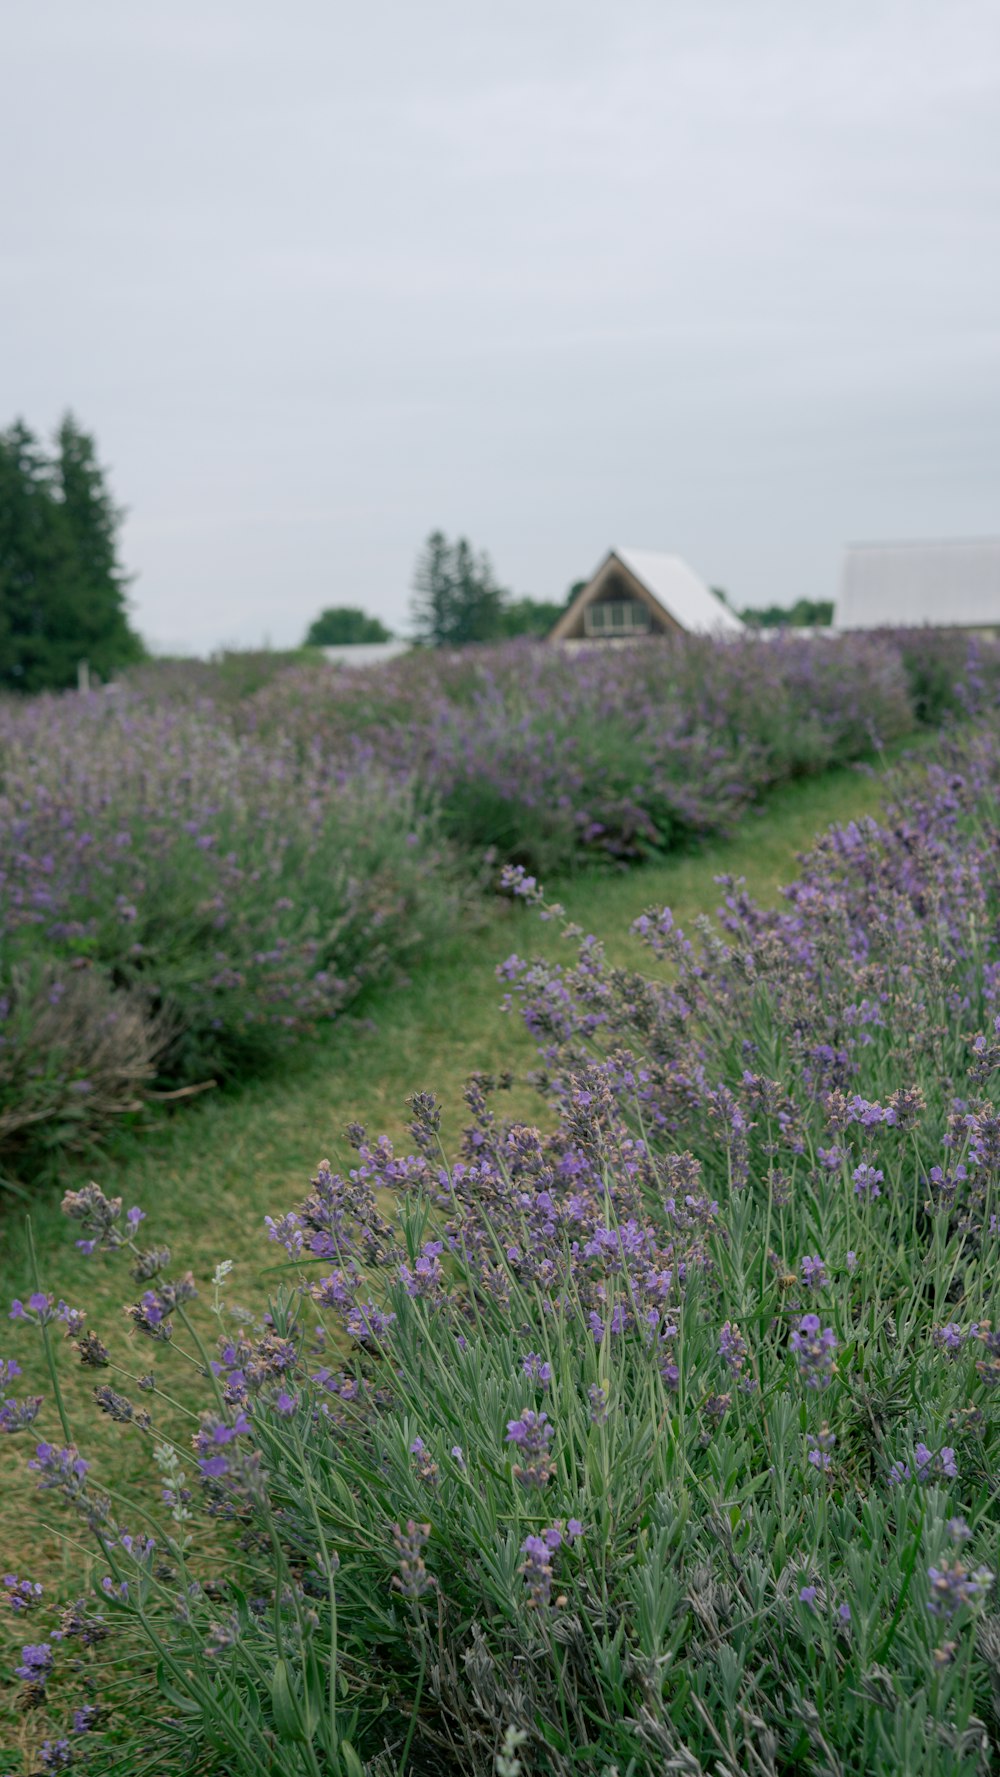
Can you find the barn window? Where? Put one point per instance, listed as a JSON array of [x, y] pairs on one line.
[[616, 617]]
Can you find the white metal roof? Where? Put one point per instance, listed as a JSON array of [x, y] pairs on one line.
[[683, 596], [948, 584], [364, 653]]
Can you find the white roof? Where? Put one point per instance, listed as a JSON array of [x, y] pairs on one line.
[[950, 584], [364, 653], [683, 596]]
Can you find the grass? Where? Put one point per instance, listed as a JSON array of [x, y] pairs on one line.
[[208, 1176]]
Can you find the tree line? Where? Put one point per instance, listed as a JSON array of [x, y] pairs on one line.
[[456, 599], [63, 592]]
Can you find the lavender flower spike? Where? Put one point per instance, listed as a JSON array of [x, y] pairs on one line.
[[815, 1348]]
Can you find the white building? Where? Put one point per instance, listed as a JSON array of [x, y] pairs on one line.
[[950, 585]]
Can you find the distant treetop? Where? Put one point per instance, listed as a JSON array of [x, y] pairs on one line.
[[342, 625], [804, 614]]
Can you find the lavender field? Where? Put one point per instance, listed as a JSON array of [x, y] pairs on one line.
[[664, 1440], [204, 864]]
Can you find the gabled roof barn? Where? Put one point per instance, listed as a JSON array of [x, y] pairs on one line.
[[671, 591]]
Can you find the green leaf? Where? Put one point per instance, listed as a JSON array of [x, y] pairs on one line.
[[179, 1699], [285, 1707], [349, 1760]]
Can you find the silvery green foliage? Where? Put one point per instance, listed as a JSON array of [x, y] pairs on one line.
[[659, 1436]]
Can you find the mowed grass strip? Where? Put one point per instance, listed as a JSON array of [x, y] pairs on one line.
[[207, 1176]]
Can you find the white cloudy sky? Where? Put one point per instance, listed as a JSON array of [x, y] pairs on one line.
[[715, 276]]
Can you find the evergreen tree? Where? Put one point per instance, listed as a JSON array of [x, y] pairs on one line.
[[62, 592], [456, 598]]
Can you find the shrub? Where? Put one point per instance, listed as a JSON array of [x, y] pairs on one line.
[[665, 1441], [76, 1055], [223, 894]]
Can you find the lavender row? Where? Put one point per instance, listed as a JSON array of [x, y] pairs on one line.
[[553, 758], [665, 1440], [203, 864]]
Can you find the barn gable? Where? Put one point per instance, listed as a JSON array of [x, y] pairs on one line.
[[639, 592]]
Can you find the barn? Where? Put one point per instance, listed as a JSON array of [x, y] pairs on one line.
[[949, 585], [639, 592]]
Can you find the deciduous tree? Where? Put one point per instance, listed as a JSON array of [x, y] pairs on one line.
[[341, 625]]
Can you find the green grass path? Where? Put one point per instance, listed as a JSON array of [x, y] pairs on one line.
[[207, 1175]]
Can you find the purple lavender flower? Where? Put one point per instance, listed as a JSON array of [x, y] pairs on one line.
[[119, 1408], [815, 1348], [22, 1595], [532, 1434], [733, 1348], [599, 1396], [212, 1440], [423, 1462], [17, 1415], [99, 1215], [952, 1586], [717, 1406], [537, 1571], [821, 1448], [426, 1280], [536, 1369], [927, 1465], [36, 1663], [814, 1272], [40, 1310], [59, 1465], [413, 1579], [944, 1463], [949, 1337], [867, 1180], [287, 1231], [56, 1755]]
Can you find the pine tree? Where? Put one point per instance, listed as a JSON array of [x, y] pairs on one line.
[[36, 565], [92, 521], [62, 592], [456, 598]]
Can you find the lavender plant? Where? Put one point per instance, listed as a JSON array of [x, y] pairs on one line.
[[665, 1440], [176, 903]]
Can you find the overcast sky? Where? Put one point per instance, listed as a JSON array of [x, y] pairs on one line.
[[720, 277]]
